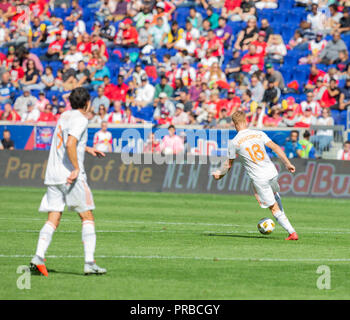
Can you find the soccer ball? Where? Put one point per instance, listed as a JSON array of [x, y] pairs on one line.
[[266, 226]]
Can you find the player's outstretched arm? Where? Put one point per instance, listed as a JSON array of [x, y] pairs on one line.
[[226, 167], [280, 153], [94, 152]]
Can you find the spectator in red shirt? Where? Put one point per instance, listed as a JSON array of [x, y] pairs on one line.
[[16, 72], [55, 51], [130, 35], [260, 43], [252, 61], [98, 44], [273, 120], [39, 8], [84, 46], [215, 45], [9, 114], [230, 8], [315, 74], [109, 88], [47, 115], [121, 89], [231, 103]]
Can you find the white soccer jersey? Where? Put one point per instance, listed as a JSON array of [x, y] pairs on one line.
[[102, 140], [250, 146], [59, 167]]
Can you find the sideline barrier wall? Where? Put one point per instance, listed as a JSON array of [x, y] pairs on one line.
[[316, 178]]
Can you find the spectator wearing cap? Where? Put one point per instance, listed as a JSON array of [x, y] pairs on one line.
[[164, 110], [231, 103], [172, 143], [247, 35], [31, 115], [289, 118], [315, 75], [186, 73], [108, 32], [344, 23], [163, 86], [260, 43], [233, 67], [130, 35], [144, 93], [22, 101], [160, 13], [55, 50], [159, 33], [180, 117], [224, 120], [257, 89], [187, 44], [344, 153], [271, 94], [306, 119], [271, 72]]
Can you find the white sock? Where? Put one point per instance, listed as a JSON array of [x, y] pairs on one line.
[[89, 240], [45, 238], [282, 219], [279, 201]]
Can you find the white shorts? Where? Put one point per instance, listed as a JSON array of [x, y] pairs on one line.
[[77, 197], [265, 191]]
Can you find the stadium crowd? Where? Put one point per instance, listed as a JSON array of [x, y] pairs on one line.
[[178, 62]]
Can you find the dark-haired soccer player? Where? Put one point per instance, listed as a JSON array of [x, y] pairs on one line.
[[67, 183]]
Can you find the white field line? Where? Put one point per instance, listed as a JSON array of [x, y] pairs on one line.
[[126, 222], [182, 258], [172, 231]]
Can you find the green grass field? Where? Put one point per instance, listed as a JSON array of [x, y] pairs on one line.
[[172, 246]]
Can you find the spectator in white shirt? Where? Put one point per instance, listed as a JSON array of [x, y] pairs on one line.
[[180, 116], [344, 154], [103, 139], [145, 93], [316, 19], [73, 57], [32, 114]]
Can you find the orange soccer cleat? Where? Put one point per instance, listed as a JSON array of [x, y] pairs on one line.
[[293, 236], [42, 269]]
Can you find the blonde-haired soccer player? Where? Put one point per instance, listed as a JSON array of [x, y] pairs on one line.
[[66, 182], [250, 146]]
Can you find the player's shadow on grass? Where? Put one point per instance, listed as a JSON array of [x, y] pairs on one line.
[[236, 236], [66, 272]]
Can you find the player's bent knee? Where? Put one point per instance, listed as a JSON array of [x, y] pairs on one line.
[[88, 215], [54, 218]]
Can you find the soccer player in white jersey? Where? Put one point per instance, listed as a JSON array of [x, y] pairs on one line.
[[66, 182], [249, 145]]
